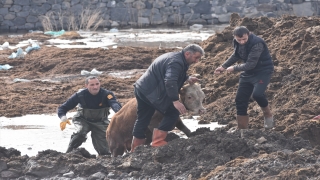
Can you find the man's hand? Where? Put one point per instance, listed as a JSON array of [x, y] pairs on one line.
[[64, 122], [219, 70], [180, 107], [191, 80], [230, 69], [317, 117]]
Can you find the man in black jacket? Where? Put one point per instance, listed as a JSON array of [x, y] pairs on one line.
[[257, 70], [158, 89], [92, 115]]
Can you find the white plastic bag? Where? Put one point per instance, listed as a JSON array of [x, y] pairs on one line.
[[34, 46], [18, 54], [5, 67], [95, 72], [5, 45]]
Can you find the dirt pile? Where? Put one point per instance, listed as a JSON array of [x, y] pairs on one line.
[[294, 89], [289, 151], [259, 154]]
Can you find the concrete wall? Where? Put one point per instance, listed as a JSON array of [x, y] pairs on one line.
[[17, 15]]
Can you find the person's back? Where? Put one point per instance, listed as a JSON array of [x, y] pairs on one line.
[[158, 89]]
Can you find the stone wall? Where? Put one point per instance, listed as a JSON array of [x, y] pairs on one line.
[[16, 15]]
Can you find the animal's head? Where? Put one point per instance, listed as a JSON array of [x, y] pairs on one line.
[[192, 97]]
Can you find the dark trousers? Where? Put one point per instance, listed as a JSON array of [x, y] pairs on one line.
[[145, 111], [255, 85], [98, 134]]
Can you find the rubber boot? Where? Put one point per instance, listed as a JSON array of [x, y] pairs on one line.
[[268, 118], [158, 138], [136, 142], [76, 141], [243, 121]]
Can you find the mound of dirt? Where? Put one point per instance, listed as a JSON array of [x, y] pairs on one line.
[[289, 151], [293, 92], [258, 154]]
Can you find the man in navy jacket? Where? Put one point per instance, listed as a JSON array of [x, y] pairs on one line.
[[92, 115]]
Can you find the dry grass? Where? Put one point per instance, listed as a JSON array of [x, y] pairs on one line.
[[87, 20], [90, 19]]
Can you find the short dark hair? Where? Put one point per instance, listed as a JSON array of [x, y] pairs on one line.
[[193, 48], [240, 31], [89, 78]]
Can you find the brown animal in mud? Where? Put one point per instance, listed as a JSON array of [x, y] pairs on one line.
[[119, 132]]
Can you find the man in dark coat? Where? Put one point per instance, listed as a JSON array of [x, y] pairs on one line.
[[158, 89], [92, 115], [257, 70]]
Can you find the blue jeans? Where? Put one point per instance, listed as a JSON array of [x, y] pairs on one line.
[[145, 111]]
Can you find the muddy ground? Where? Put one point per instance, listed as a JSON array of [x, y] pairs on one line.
[[289, 151]]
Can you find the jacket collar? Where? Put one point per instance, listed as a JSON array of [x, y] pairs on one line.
[[184, 59]]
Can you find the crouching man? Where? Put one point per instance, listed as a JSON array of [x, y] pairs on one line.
[[158, 89], [92, 115]]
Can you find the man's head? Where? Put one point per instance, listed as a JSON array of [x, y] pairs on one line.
[[241, 34], [93, 85], [193, 53]]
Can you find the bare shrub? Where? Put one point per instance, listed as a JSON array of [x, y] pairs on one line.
[[52, 20], [87, 20], [72, 23], [90, 19]]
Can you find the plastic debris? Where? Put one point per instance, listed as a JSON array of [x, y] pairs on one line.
[[18, 54], [84, 72], [113, 30], [34, 46], [36, 31], [5, 45], [93, 72], [68, 174], [55, 33], [20, 80], [5, 67]]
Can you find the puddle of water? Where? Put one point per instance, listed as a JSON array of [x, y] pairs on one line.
[[151, 37], [19, 127], [66, 78], [33, 133]]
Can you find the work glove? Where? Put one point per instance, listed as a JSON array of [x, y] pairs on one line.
[[64, 122]]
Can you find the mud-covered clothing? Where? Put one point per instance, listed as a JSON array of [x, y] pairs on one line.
[[157, 88], [92, 115], [161, 83], [98, 134], [257, 71]]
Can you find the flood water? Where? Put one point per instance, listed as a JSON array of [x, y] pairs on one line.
[[33, 133]]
